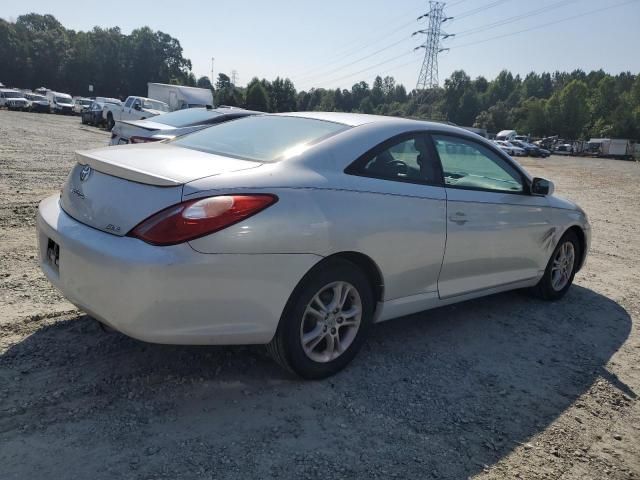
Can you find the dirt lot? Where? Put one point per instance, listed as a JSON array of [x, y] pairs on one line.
[[503, 387]]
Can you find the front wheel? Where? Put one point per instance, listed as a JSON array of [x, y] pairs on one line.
[[325, 321], [561, 269], [110, 121]]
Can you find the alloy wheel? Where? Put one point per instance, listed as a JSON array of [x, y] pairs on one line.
[[331, 321], [562, 267]]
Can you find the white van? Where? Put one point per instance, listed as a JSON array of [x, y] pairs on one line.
[[60, 102]]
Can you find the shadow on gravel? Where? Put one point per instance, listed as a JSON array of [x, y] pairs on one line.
[[437, 394]]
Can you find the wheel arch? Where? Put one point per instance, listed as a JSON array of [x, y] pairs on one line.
[[368, 266], [579, 232]]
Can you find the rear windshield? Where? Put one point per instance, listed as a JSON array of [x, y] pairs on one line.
[[184, 118], [63, 100], [261, 138]]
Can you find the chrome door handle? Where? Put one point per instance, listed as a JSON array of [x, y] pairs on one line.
[[458, 218]]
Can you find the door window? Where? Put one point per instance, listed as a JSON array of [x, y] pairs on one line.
[[405, 159], [468, 164], [128, 102]]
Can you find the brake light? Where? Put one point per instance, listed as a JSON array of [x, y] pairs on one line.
[[135, 139], [196, 218]]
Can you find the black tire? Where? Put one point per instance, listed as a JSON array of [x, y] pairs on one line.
[[286, 346], [110, 121], [544, 289]]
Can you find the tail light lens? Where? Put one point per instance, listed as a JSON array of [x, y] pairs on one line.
[[135, 139], [196, 218]]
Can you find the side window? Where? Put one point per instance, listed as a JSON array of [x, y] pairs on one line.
[[128, 102], [404, 159], [468, 164]]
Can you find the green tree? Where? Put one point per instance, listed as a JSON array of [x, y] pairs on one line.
[[575, 111], [256, 97]]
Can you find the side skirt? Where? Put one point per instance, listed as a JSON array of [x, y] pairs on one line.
[[400, 307]]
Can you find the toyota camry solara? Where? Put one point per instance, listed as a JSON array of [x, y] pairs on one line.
[[300, 231]]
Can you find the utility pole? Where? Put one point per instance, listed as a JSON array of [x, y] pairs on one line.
[[432, 45], [234, 77], [212, 79]]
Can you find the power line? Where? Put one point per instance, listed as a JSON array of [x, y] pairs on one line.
[[483, 8], [353, 62], [537, 27], [357, 46], [332, 81], [514, 18]]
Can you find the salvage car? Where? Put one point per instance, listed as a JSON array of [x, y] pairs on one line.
[[37, 103], [301, 230], [171, 125], [510, 148], [13, 99], [94, 115]]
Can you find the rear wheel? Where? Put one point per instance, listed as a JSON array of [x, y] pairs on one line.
[[325, 322], [561, 269], [110, 121]]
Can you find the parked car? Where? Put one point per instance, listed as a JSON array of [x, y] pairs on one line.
[[80, 104], [37, 103], [60, 102], [13, 99], [94, 115], [134, 108], [564, 149], [173, 124], [530, 149], [300, 230], [510, 148], [506, 135]]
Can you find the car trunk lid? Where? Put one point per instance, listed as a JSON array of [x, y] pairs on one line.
[[115, 188]]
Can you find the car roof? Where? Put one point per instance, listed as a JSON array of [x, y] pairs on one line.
[[357, 119]]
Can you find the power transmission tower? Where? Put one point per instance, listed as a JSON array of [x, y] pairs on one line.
[[432, 45], [234, 77]]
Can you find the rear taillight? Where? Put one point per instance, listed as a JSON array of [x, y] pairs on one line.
[[196, 218], [135, 139]]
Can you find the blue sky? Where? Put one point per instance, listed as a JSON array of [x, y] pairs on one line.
[[322, 44]]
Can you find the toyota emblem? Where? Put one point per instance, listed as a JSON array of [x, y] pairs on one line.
[[85, 172]]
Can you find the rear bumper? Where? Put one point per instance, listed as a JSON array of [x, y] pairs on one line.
[[168, 294]]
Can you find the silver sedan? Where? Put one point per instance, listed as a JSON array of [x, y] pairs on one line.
[[300, 231]]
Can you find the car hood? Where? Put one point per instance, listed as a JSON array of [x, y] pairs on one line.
[[561, 202]]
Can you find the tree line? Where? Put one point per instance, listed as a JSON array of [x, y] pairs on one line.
[[36, 50], [572, 105]]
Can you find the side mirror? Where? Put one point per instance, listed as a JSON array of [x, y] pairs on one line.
[[542, 186], [136, 106]]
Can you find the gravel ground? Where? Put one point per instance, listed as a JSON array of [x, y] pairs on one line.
[[502, 387]]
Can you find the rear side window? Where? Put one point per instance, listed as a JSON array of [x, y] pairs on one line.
[[470, 165], [404, 158], [261, 138]]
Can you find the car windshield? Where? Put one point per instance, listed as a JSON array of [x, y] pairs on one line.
[[39, 98], [12, 95], [86, 103], [262, 138], [154, 105], [63, 100], [183, 118]]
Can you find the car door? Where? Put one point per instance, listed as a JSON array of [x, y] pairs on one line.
[[397, 217], [126, 109], [496, 230]]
